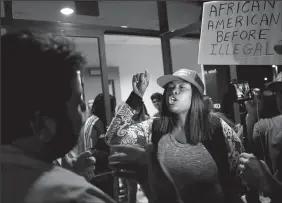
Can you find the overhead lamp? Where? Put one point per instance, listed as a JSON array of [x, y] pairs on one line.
[[124, 26], [265, 79], [67, 11]]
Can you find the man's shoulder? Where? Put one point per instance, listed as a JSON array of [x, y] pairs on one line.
[[277, 120], [266, 123], [275, 136], [61, 185], [263, 124]]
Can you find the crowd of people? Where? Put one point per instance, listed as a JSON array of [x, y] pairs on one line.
[[186, 152]]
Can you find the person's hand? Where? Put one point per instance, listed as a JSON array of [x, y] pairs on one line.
[[129, 162], [143, 166], [240, 132], [83, 165], [140, 83], [255, 172]]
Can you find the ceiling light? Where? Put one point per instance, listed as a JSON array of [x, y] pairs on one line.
[[124, 26], [265, 79], [67, 11]]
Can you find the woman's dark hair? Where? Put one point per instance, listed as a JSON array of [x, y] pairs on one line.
[[208, 104], [99, 109], [142, 115], [213, 120], [196, 124], [37, 70], [157, 96], [269, 107]]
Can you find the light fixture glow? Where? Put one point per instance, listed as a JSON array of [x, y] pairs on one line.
[[67, 11], [265, 79], [124, 26]]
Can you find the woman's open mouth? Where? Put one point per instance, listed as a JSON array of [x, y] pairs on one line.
[[172, 100]]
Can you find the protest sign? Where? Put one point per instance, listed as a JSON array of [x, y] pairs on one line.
[[241, 33]]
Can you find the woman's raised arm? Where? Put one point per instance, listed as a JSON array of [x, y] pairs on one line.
[[121, 130]]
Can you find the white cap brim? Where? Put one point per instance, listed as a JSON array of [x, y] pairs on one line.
[[163, 80]]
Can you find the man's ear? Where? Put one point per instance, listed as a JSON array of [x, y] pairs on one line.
[[44, 127]]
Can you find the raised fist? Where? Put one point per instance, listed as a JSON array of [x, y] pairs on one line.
[[140, 82]]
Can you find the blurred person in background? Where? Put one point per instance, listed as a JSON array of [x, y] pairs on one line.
[[264, 107], [94, 129], [89, 106], [141, 114], [269, 108], [263, 168], [95, 125], [157, 102]]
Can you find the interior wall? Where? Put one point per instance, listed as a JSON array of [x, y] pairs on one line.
[[184, 54], [126, 59], [182, 13], [93, 84], [135, 58], [132, 59]]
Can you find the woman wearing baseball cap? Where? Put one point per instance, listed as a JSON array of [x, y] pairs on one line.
[[189, 141]]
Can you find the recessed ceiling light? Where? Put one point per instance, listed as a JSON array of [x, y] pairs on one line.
[[265, 79], [124, 26], [67, 11]]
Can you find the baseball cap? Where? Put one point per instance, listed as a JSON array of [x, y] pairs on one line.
[[187, 75], [276, 85]]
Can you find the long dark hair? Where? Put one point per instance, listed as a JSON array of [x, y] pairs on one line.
[[214, 115], [196, 127], [208, 103], [142, 115], [269, 107], [98, 108]]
